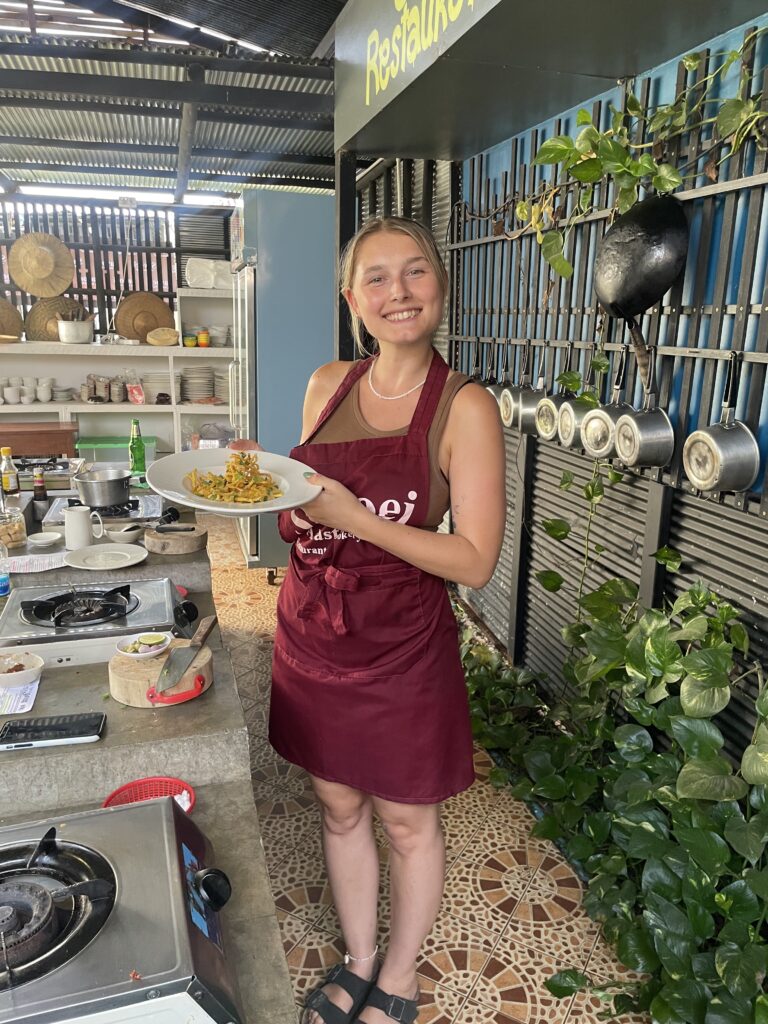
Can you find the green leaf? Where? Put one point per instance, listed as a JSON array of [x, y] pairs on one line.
[[598, 826], [594, 491], [633, 742], [633, 105], [553, 151], [661, 118], [667, 178], [565, 983], [727, 1009], [742, 970], [659, 877], [758, 881], [748, 838], [552, 244], [700, 700], [569, 379], [561, 266], [636, 951], [738, 902], [551, 787], [550, 580], [588, 139], [706, 848], [615, 477], [566, 480], [626, 198], [663, 657], [691, 61], [761, 1009], [589, 170], [761, 706], [588, 400], [668, 557], [583, 117], [580, 848], [739, 638], [547, 828], [731, 114], [573, 634], [709, 778], [599, 364], [538, 764], [523, 210], [697, 736], [711, 665], [558, 529], [754, 764], [693, 628], [687, 999]]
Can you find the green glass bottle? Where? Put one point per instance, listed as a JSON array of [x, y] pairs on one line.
[[136, 452]]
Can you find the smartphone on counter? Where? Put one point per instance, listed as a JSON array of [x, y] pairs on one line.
[[54, 731]]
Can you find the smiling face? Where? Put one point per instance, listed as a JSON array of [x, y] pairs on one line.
[[395, 289]]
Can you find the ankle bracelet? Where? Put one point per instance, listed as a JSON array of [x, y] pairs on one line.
[[360, 959]]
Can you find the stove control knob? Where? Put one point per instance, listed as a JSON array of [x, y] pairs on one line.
[[214, 887]]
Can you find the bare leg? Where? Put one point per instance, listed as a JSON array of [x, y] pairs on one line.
[[417, 874], [353, 870]]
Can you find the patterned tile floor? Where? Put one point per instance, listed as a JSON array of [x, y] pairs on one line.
[[511, 914]]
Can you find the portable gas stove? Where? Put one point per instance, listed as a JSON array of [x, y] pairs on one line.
[[113, 916], [143, 509], [47, 620], [57, 471]]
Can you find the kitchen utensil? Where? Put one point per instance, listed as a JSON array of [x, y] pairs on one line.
[[41, 323], [127, 535], [98, 557], [175, 529], [489, 378], [46, 539], [11, 322], [160, 648], [141, 312], [645, 438], [476, 372], [103, 487], [180, 541], [41, 264], [78, 529], [151, 788], [75, 332], [724, 456], [528, 398], [548, 409], [180, 659], [497, 388], [598, 428], [509, 399], [30, 672], [573, 411]]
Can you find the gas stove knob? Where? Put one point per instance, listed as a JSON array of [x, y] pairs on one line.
[[214, 887]]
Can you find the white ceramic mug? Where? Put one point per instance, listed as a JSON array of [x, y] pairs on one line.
[[43, 394], [78, 529], [12, 394]]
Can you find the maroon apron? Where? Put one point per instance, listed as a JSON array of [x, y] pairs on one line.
[[367, 683]]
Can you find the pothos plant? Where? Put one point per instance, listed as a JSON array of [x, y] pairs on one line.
[[593, 158], [669, 822]]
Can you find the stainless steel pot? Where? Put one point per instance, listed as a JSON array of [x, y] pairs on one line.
[[573, 411], [498, 387], [489, 377], [548, 409], [646, 438], [509, 402], [528, 399], [724, 456], [102, 487], [598, 428]]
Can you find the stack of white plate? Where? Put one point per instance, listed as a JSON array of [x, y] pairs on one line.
[[154, 382], [61, 394], [221, 385], [196, 383]]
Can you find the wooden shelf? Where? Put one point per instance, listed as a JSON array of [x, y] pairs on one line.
[[205, 293], [55, 348]]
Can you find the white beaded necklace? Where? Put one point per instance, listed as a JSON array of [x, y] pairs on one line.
[[391, 398]]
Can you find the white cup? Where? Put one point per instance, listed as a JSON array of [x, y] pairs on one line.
[[15, 382], [29, 382], [12, 394], [43, 394], [3, 382], [78, 528], [45, 382], [26, 391]]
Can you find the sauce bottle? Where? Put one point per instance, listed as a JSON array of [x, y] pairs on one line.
[[10, 473]]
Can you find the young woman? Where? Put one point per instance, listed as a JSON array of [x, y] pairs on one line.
[[368, 690]]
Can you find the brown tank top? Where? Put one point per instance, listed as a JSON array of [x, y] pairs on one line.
[[346, 423]]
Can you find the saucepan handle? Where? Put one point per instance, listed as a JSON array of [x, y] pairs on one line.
[[731, 386]]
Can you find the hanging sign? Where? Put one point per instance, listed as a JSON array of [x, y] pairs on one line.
[[384, 45]]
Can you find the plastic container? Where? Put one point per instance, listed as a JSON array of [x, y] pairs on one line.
[[113, 449], [13, 529], [5, 572], [150, 788]]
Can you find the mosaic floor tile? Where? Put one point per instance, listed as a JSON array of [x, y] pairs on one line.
[[483, 764], [437, 1004], [512, 983], [603, 964], [312, 958], [498, 833], [486, 891], [455, 952], [292, 929]]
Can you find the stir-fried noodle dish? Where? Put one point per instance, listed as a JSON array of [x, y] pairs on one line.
[[242, 481]]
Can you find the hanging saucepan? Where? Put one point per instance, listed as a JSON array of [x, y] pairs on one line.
[[489, 377], [724, 456], [573, 411], [638, 260], [645, 438], [528, 398], [548, 409], [598, 428], [498, 388], [510, 396], [476, 373]]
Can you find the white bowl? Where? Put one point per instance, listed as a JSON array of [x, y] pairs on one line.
[[125, 640], [43, 540], [125, 536], [33, 669]]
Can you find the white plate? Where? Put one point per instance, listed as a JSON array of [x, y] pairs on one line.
[[166, 476], [125, 641], [43, 540], [105, 556]]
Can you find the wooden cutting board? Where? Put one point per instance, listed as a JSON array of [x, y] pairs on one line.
[[176, 543], [130, 678]]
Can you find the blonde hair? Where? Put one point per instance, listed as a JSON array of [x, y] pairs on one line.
[[421, 235]]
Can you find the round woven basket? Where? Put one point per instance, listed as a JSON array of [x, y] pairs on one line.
[[142, 312], [41, 264], [163, 336], [11, 322], [41, 323]]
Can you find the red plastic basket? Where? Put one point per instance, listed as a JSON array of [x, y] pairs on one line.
[[150, 788]]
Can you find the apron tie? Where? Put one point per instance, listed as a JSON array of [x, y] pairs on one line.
[[334, 582]]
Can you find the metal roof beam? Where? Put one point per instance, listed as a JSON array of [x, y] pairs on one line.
[[245, 66], [158, 89], [142, 19], [186, 140], [257, 119], [299, 159]]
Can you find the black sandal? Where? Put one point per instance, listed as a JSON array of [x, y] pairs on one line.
[[319, 1003], [405, 1011]]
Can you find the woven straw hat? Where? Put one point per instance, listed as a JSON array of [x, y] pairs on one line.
[[142, 312], [11, 323], [41, 323], [41, 264]]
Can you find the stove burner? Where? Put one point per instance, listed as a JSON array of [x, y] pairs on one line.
[[110, 511], [80, 607], [54, 898], [28, 463]]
